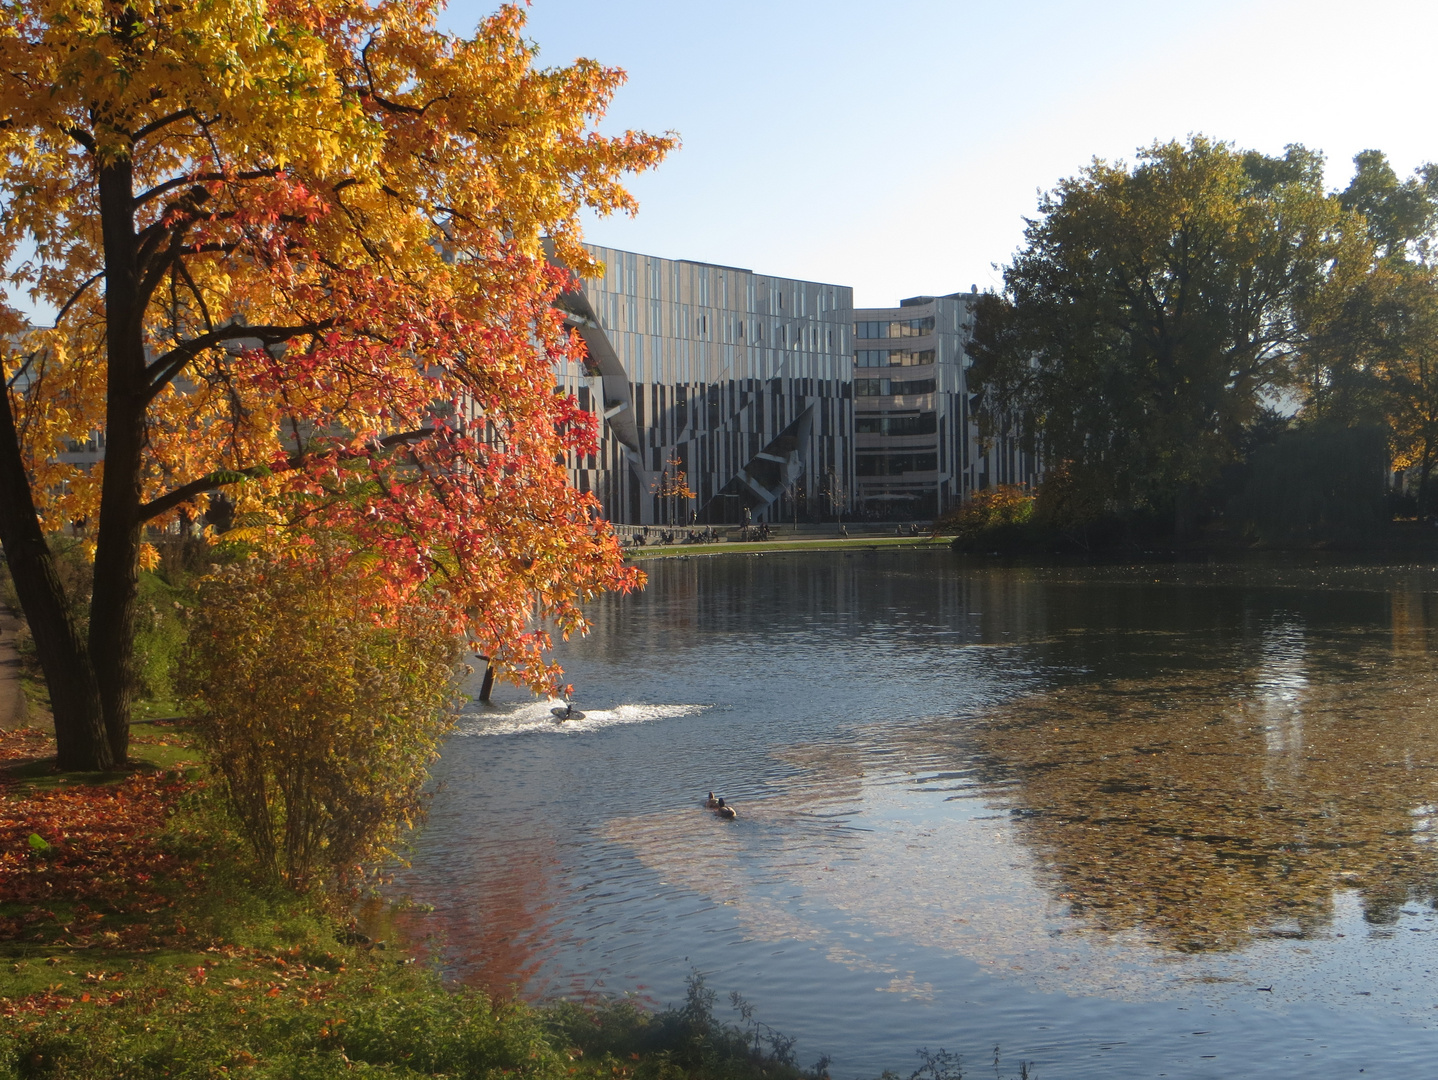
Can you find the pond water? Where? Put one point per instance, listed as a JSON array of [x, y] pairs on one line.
[[1122, 821]]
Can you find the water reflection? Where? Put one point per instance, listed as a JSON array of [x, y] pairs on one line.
[[960, 783], [1208, 821]]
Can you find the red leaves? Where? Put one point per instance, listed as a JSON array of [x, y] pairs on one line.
[[102, 850]]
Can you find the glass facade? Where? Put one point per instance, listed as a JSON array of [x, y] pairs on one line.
[[893, 357], [741, 382], [893, 328], [891, 387], [913, 462]]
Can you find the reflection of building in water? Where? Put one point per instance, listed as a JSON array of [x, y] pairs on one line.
[[727, 396]]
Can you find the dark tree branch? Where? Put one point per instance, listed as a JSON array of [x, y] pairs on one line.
[[163, 370], [184, 272], [202, 178], [229, 477], [164, 122], [21, 370], [76, 296]]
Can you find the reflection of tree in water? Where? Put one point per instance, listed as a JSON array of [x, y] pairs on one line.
[[1209, 807], [496, 922]]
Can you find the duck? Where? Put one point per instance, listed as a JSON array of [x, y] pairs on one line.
[[725, 811], [712, 803]]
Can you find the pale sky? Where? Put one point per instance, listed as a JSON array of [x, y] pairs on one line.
[[897, 146]]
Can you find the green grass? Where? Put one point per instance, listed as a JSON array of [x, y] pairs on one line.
[[205, 970], [159, 745]]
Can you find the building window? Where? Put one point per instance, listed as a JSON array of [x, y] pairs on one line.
[[920, 424], [892, 357], [888, 387], [894, 464], [894, 328]]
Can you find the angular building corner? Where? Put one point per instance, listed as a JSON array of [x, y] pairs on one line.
[[729, 397]]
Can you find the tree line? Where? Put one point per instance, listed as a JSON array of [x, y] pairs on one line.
[[1174, 329]]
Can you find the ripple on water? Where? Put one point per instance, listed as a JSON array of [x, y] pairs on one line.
[[1117, 820]]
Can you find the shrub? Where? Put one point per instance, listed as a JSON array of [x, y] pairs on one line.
[[322, 708], [995, 517]]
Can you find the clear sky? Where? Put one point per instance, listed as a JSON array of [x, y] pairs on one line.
[[896, 146]]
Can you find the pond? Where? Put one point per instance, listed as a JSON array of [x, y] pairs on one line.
[[1121, 821]]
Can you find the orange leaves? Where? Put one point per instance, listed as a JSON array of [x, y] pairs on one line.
[[100, 848], [343, 317]]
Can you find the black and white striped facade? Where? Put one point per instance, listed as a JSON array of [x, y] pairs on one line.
[[740, 381], [774, 397]]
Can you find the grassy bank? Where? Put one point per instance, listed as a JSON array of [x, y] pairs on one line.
[[135, 941]]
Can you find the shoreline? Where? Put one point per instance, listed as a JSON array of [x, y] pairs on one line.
[[762, 547]]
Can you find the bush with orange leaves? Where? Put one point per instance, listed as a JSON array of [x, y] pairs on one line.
[[995, 517]]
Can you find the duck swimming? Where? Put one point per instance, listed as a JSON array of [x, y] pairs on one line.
[[724, 810], [712, 803]]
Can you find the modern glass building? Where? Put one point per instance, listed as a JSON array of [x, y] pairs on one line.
[[725, 394], [730, 397], [918, 450]]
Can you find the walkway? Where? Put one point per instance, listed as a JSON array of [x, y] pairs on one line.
[[13, 710]]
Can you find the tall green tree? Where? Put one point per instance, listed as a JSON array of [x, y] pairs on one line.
[[1154, 311], [1373, 350]]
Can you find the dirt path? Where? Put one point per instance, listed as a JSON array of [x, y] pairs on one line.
[[13, 710]]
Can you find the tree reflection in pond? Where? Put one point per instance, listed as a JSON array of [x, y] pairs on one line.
[[1210, 806]]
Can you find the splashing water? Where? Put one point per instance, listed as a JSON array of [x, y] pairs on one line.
[[537, 716]]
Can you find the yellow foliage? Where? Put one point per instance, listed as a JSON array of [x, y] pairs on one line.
[[999, 507], [321, 716], [283, 236]]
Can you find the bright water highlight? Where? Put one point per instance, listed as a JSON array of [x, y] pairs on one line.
[[1123, 821]]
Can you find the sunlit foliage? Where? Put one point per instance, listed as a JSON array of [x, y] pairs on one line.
[[321, 711], [295, 247]]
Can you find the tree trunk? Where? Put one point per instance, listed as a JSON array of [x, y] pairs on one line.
[[80, 739], [1425, 471], [117, 552]]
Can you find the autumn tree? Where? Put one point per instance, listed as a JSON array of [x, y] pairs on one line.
[[294, 250], [1373, 355], [672, 488], [1155, 310]]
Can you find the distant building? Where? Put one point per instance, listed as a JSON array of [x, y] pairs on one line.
[[772, 399], [917, 445], [741, 382]]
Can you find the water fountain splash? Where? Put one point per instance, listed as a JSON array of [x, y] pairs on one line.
[[537, 716]]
